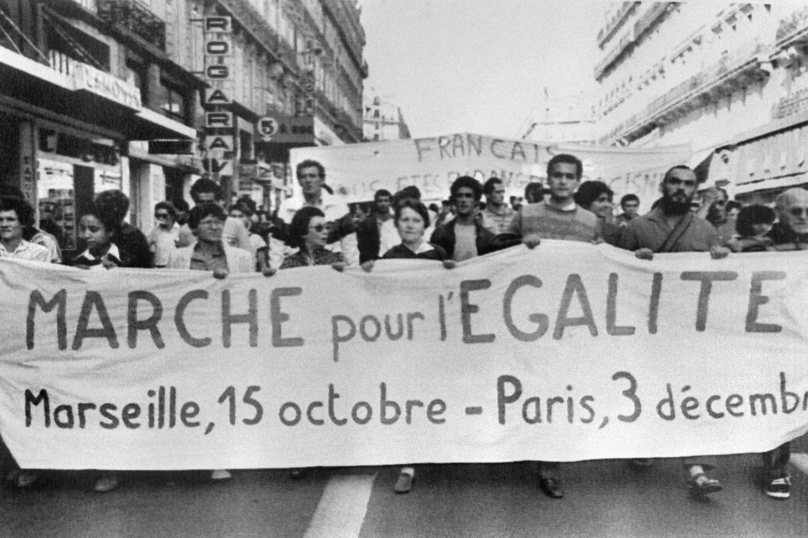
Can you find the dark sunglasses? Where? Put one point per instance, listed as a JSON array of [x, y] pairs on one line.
[[798, 211]]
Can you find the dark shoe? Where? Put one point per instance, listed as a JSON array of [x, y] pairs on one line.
[[700, 485], [296, 474], [551, 487], [107, 483], [640, 464], [404, 483], [779, 488], [26, 479]]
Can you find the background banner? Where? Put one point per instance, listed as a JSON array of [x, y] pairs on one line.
[[356, 171], [566, 352]]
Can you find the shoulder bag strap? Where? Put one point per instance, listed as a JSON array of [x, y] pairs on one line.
[[677, 232]]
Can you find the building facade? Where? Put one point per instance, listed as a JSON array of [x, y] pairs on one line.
[[383, 119], [728, 79], [568, 119], [115, 94]]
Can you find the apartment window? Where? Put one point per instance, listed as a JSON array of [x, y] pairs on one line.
[[173, 103], [136, 74]]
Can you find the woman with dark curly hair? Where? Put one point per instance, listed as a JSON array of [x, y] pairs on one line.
[[98, 230], [753, 224], [596, 196], [308, 233]]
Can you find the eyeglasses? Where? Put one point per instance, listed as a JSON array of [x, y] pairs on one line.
[[318, 228], [798, 211]]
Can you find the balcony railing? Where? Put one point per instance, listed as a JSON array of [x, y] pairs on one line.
[[647, 20], [134, 17], [728, 68], [793, 25], [608, 31], [253, 21]]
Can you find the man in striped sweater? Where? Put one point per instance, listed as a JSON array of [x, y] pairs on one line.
[[558, 217]]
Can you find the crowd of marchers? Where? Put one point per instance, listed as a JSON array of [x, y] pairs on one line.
[[476, 220]]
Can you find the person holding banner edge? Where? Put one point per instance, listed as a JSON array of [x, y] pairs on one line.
[[557, 217], [464, 237], [672, 227], [211, 253], [411, 220]]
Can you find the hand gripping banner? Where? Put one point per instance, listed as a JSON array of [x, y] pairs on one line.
[[566, 352]]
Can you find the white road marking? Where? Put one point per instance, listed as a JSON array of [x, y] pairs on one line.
[[800, 461], [342, 507]]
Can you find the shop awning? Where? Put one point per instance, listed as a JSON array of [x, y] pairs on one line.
[[776, 158], [39, 90]]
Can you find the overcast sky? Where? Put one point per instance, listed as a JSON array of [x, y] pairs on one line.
[[479, 66]]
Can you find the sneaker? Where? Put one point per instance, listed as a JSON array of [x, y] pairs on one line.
[[107, 483], [221, 474], [700, 485], [779, 488], [296, 474], [26, 479], [551, 487], [404, 483]]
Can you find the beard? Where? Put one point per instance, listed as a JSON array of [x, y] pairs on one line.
[[673, 207]]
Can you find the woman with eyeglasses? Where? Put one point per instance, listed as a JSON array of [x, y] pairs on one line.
[[163, 237], [308, 233]]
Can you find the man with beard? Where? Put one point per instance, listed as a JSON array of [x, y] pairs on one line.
[[672, 227]]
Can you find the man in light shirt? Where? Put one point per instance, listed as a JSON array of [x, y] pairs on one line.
[[497, 214], [15, 213], [338, 220], [377, 233]]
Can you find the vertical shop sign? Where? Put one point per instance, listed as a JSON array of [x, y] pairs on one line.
[[219, 121]]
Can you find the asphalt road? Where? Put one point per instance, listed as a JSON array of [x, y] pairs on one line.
[[603, 498]]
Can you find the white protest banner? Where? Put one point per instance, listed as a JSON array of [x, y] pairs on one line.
[[356, 171], [566, 352]]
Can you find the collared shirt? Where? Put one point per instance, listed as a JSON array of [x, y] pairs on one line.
[[497, 223], [388, 236], [651, 230], [26, 251], [93, 262], [208, 260], [233, 232]]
